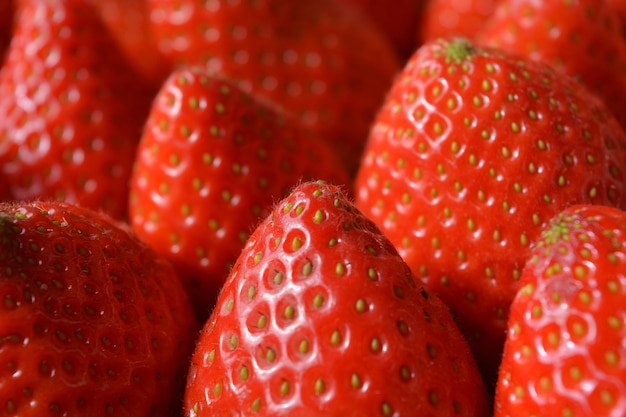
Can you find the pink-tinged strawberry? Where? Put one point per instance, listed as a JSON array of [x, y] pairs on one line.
[[321, 60], [128, 22], [454, 18], [581, 38], [72, 110], [473, 150], [321, 317], [92, 322], [397, 22], [211, 163], [564, 353]]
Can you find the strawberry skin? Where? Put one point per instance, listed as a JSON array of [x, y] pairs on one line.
[[92, 322], [454, 18], [564, 353], [72, 110], [581, 38], [211, 163], [473, 150], [6, 26], [397, 22], [618, 7], [128, 22], [321, 317], [321, 60]]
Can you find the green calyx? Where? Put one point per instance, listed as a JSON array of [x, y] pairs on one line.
[[559, 230], [459, 50]]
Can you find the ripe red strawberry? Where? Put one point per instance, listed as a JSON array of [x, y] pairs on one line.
[[582, 38], [321, 317], [473, 150], [398, 22], [6, 26], [564, 353], [619, 8], [454, 18], [72, 110], [92, 322], [129, 24], [320, 59], [211, 163]]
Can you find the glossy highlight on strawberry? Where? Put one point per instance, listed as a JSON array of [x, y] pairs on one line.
[[321, 317], [320, 60], [581, 38], [473, 150], [564, 353], [72, 109], [211, 163]]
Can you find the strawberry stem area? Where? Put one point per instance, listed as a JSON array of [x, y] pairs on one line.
[[459, 50]]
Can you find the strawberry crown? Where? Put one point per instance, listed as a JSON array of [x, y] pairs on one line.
[[459, 50]]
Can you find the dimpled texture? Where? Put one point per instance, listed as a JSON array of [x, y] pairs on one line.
[[321, 317], [91, 322], [320, 60], [211, 163], [581, 38], [72, 110], [472, 151], [564, 354]]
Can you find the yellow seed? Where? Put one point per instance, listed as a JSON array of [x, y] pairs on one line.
[[611, 357], [607, 398], [256, 405], [320, 386]]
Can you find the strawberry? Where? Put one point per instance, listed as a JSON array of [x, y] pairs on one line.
[[619, 8], [92, 322], [564, 352], [321, 60], [6, 26], [472, 151], [72, 110], [454, 18], [398, 22], [211, 163], [321, 317], [129, 24], [582, 38]]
